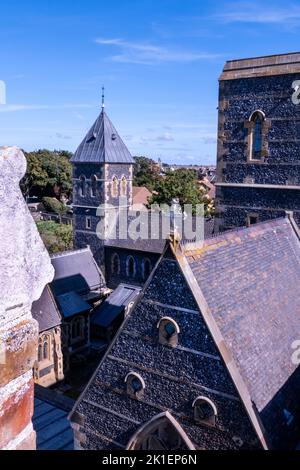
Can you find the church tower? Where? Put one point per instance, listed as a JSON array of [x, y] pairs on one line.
[[102, 172]]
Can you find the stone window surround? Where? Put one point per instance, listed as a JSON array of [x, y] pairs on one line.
[[129, 387], [249, 124], [123, 186], [44, 345], [248, 218], [82, 188], [163, 338], [211, 420], [94, 181], [114, 186]]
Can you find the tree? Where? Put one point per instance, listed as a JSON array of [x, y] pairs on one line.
[[56, 237], [183, 185], [145, 172], [48, 173]]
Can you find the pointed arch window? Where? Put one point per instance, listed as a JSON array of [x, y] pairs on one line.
[[115, 264], [162, 432], [44, 348], [257, 120], [94, 186], [123, 186], [146, 268], [77, 329], [82, 185], [130, 266], [115, 187]]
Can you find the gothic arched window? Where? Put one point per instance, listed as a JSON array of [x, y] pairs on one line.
[[94, 186], [146, 268], [256, 142], [115, 264], [135, 384], [205, 410], [162, 432], [123, 186], [130, 266], [168, 332], [115, 187], [44, 348], [82, 185]]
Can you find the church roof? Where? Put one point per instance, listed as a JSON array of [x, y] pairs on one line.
[[76, 271], [45, 311], [236, 302], [250, 280], [102, 144]]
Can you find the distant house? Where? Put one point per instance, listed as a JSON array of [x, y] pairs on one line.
[[48, 368], [140, 197], [204, 359]]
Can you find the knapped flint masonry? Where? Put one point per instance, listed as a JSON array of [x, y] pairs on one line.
[[203, 360]]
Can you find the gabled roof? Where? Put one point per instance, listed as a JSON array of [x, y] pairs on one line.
[[76, 271], [250, 280], [108, 311], [45, 311], [102, 144], [236, 302]]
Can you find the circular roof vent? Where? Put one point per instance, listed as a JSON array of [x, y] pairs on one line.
[[113, 136]]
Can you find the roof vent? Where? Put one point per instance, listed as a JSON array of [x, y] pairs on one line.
[[113, 136]]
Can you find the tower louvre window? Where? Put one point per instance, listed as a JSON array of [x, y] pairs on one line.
[[82, 185], [94, 186], [123, 186], [114, 187]]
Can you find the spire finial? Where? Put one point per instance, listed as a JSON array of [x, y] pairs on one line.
[[103, 105]]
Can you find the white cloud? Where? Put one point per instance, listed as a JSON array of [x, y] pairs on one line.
[[246, 12], [149, 54], [9, 108], [166, 137]]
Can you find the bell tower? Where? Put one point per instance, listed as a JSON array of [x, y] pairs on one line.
[[102, 172]]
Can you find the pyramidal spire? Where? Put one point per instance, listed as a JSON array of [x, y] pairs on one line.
[[102, 143]]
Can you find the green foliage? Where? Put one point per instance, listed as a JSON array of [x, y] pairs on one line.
[[48, 173], [51, 204], [145, 172], [56, 237], [181, 184]]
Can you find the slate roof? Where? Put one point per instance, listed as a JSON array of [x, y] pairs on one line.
[[250, 279], [76, 271], [107, 312], [71, 304], [53, 430], [102, 144], [45, 311], [236, 301]]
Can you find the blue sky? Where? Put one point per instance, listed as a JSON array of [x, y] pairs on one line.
[[159, 61]]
